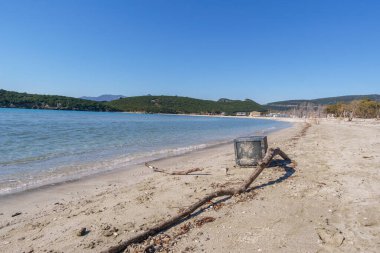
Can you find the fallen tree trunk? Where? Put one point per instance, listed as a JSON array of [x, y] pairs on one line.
[[188, 211], [182, 172]]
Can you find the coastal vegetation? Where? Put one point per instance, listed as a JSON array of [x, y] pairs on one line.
[[13, 99], [365, 108], [290, 104]]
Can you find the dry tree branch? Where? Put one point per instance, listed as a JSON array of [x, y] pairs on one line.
[[189, 210], [182, 172]]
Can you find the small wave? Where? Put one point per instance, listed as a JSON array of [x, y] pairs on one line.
[[67, 173]]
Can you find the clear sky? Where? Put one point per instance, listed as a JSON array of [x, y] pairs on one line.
[[264, 50]]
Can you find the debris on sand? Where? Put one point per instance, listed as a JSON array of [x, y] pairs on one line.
[[82, 232], [16, 214], [202, 221]]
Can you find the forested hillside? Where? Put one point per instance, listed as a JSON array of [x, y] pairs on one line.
[[13, 99], [175, 104], [147, 104]]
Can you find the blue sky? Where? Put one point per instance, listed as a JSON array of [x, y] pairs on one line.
[[264, 50]]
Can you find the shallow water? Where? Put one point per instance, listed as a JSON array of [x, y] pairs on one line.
[[39, 147]]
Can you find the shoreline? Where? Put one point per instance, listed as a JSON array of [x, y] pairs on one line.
[[95, 175], [128, 169], [137, 161]]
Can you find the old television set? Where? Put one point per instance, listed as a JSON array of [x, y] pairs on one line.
[[250, 150]]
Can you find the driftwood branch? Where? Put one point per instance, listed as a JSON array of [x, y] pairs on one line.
[[188, 211], [182, 172]]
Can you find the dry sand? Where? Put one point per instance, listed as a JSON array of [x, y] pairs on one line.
[[329, 203]]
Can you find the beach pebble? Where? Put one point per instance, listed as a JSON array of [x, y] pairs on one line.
[[82, 232]]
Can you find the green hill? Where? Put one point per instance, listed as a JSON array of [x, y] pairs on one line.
[[186, 105], [287, 104], [148, 104], [13, 99]]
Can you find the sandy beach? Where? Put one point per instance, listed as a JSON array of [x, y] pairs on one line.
[[329, 202]]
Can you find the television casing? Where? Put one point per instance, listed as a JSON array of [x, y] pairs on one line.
[[250, 150]]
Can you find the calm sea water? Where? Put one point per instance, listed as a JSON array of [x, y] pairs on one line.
[[40, 147]]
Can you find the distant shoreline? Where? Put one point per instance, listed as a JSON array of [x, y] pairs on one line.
[[137, 112]]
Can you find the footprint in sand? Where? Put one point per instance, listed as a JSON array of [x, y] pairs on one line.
[[331, 235]]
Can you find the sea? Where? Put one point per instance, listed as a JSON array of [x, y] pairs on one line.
[[42, 147]]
